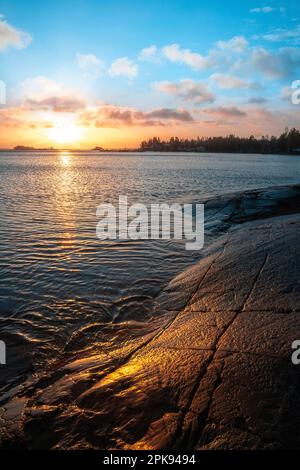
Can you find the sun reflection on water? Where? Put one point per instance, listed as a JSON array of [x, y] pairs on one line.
[[65, 190], [65, 158]]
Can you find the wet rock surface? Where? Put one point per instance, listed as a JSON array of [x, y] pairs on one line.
[[211, 369]]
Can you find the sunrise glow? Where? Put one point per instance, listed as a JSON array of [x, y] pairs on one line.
[[196, 74], [67, 134], [149, 233]]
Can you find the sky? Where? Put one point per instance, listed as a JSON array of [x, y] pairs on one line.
[[85, 73]]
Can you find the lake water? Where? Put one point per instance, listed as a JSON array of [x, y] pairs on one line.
[[56, 276]]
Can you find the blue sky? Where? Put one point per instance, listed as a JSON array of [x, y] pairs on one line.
[[121, 68]]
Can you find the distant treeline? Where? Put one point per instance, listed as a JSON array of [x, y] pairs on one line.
[[288, 143]]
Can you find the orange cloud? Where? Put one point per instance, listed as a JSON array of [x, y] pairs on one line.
[[116, 116]]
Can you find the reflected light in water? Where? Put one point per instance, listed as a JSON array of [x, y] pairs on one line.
[[65, 158], [64, 192]]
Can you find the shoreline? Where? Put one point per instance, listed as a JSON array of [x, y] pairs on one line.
[[176, 380], [145, 152]]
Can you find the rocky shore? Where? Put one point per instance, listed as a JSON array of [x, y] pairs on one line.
[[212, 367]]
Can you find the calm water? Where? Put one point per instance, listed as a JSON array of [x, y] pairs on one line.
[[56, 276]]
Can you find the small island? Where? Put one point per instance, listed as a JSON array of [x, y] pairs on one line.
[[24, 148]]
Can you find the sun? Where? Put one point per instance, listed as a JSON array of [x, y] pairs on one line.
[[65, 134]]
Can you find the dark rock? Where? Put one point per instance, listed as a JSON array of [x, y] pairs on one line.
[[211, 370]]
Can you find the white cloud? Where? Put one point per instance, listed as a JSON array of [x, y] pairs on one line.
[[149, 54], [267, 9], [12, 37], [289, 36], [236, 44], [124, 66], [41, 87], [219, 56], [186, 89], [41, 94], [174, 53], [89, 63], [231, 82], [262, 10]]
